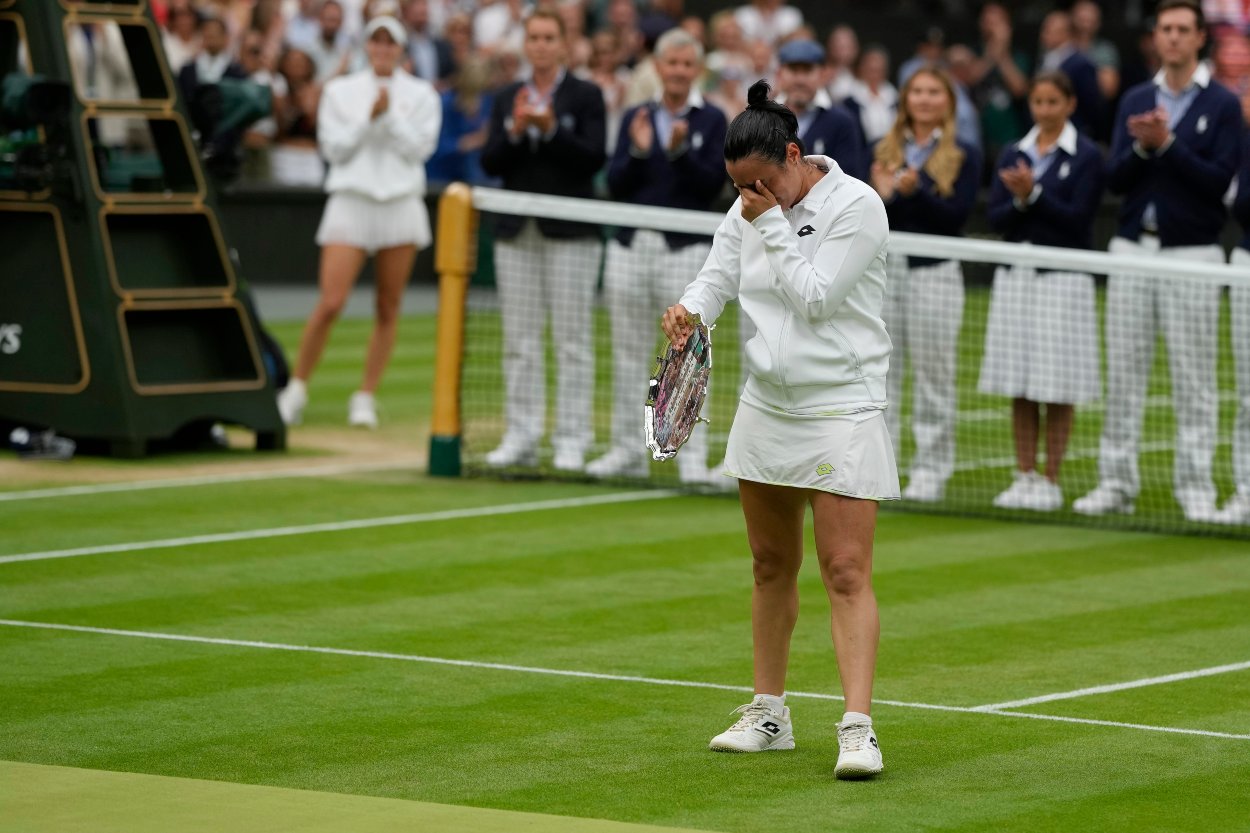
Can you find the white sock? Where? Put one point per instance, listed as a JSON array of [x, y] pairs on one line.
[[297, 384], [855, 717], [774, 702]]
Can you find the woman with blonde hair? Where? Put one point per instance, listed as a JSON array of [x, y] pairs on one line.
[[928, 180]]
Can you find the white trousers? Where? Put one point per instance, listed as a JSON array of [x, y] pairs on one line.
[[923, 312], [537, 275], [1239, 296], [640, 283], [1137, 308]]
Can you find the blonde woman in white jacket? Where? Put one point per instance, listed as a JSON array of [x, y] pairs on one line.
[[376, 128], [804, 251]]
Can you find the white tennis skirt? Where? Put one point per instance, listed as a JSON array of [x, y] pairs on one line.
[[355, 220], [847, 454], [1041, 338]]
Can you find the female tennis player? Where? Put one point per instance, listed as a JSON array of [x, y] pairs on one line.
[[804, 250]]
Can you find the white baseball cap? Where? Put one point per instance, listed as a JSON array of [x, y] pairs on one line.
[[391, 25]]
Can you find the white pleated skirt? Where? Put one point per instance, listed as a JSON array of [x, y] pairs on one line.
[[1041, 337], [846, 454], [361, 222]]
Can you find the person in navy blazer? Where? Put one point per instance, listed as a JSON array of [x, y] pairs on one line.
[[670, 152], [826, 128], [928, 180], [1058, 39], [547, 135], [1174, 151], [1236, 510], [1041, 339]]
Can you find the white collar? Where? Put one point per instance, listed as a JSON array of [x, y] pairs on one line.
[[1066, 143], [821, 101], [816, 197], [563, 71], [1201, 77], [933, 137], [694, 100]]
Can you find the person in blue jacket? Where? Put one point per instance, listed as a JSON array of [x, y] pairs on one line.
[[1236, 510], [826, 128], [669, 153], [1175, 150], [1058, 39], [1041, 339], [928, 180]]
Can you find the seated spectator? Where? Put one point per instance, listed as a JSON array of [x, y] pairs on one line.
[[331, 50], [304, 26], [843, 49], [258, 138], [458, 32], [498, 24], [1086, 23], [1231, 67], [429, 57], [728, 46], [930, 50], [961, 63], [999, 81], [1060, 52], [466, 124], [213, 63], [182, 36], [605, 70], [294, 159], [768, 20], [873, 99]]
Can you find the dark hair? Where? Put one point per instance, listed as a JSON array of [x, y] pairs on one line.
[[764, 129], [547, 14], [1192, 5], [1056, 78]]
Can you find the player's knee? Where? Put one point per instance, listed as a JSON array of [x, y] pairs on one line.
[[846, 573], [771, 564]]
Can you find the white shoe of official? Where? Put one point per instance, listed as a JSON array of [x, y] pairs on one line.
[[512, 452], [1236, 509], [1102, 500], [924, 487], [1198, 508], [291, 402], [760, 729], [569, 459], [619, 462], [1043, 495], [859, 754], [362, 410], [1018, 493]]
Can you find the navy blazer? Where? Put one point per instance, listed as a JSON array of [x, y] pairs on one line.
[[693, 179], [1241, 205], [564, 165], [928, 212], [836, 133], [1063, 214], [1187, 182], [1081, 71]]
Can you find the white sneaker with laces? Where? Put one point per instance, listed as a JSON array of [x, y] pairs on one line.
[[859, 754], [362, 410], [1198, 508], [619, 462], [924, 487], [1043, 495], [569, 459], [1236, 509], [512, 452], [760, 729], [1104, 499], [291, 402], [1015, 495]]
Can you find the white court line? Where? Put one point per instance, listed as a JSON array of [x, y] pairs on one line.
[[341, 526], [1105, 689], [559, 672], [204, 480]]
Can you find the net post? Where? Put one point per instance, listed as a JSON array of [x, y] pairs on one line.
[[455, 255]]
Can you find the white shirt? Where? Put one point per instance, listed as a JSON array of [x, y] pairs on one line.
[[812, 280], [382, 158], [771, 27], [876, 110]]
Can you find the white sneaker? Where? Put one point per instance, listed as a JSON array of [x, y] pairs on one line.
[[512, 452], [1043, 495], [619, 462], [859, 754], [1198, 508], [362, 410], [569, 459], [1236, 509], [1103, 499], [924, 487], [1015, 495], [760, 729], [291, 402]]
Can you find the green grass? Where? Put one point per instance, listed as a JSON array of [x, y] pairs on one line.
[[973, 612]]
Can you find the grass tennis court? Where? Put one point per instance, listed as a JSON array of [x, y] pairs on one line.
[[494, 656]]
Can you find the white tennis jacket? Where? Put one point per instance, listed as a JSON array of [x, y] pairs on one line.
[[812, 280], [382, 158]]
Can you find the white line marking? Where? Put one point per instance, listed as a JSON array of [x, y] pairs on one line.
[[204, 480], [340, 526], [1105, 689], [559, 672]]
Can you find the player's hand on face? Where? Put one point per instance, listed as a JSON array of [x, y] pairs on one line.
[[641, 133], [756, 199], [676, 325]]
